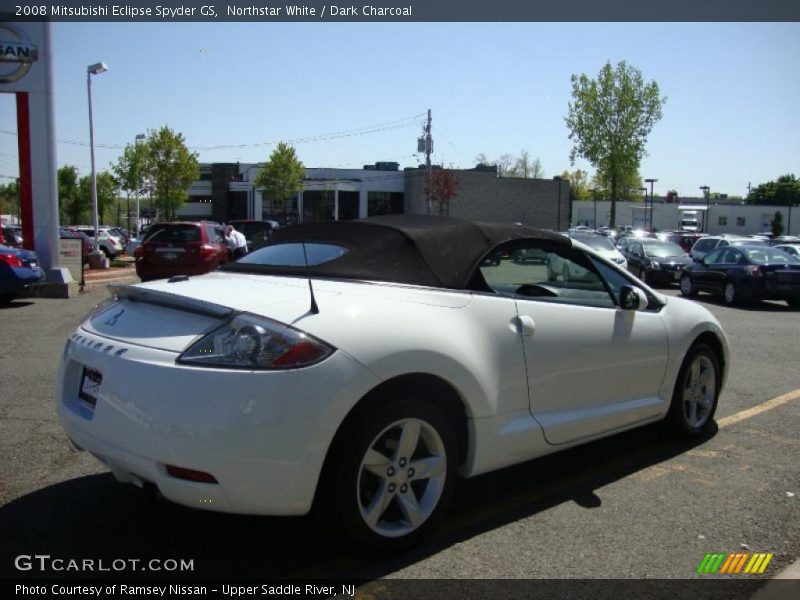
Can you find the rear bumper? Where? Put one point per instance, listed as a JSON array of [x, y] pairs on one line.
[[262, 435]]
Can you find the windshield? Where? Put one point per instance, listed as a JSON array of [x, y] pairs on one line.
[[663, 250], [595, 242], [770, 256]]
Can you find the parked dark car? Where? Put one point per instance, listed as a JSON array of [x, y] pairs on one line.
[[740, 273], [181, 248], [257, 233], [654, 262], [18, 269], [12, 236]]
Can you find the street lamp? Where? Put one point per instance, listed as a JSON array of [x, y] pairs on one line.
[[139, 138], [594, 197], [95, 257], [706, 191], [644, 189], [652, 199]]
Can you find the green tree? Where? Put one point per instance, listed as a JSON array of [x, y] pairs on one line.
[[784, 191], [72, 204], [282, 176], [777, 224], [9, 199], [107, 188], [629, 185], [578, 184], [131, 171], [172, 168], [609, 120]]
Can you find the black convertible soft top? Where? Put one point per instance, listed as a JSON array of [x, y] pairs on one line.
[[413, 249]]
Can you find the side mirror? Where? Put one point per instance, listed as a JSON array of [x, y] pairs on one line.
[[632, 298]]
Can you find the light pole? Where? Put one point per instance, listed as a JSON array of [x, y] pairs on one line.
[[96, 256], [594, 198], [652, 199], [139, 138], [644, 189], [706, 191]]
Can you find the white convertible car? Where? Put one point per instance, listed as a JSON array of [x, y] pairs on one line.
[[361, 367]]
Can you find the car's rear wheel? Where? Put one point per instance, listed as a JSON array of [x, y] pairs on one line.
[[730, 294], [395, 475], [687, 287], [694, 400], [794, 303]]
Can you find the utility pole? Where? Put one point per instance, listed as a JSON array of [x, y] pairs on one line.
[[428, 150]]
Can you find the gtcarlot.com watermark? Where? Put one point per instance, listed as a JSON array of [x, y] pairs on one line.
[[45, 563]]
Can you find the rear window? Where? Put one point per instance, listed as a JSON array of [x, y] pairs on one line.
[[174, 233], [664, 250], [291, 254], [769, 256]]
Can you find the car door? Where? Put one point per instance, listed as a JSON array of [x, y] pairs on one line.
[[635, 256], [718, 265], [592, 367]]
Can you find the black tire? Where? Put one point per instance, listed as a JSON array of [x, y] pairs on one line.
[[687, 287], [679, 417], [347, 485], [7, 298], [794, 303]]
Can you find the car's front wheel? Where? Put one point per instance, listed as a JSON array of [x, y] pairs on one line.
[[395, 475], [694, 400], [687, 287]]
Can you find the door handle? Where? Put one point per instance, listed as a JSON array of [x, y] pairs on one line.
[[525, 325]]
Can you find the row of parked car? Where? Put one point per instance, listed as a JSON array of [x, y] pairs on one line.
[[738, 268]]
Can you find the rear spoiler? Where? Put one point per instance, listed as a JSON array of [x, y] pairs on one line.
[[169, 300]]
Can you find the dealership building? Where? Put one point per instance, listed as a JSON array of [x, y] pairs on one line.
[[226, 191]]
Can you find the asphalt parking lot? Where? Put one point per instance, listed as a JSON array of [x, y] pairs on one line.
[[639, 505]]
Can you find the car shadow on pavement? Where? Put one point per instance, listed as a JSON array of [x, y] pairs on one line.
[[95, 517], [14, 304]]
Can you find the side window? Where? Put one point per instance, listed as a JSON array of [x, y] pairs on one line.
[[636, 249], [713, 257], [543, 272], [730, 256], [616, 280]]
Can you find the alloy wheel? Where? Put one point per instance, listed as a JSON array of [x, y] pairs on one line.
[[401, 477], [686, 286], [730, 293], [699, 390]]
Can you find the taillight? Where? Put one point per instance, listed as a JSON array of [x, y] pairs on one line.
[[138, 252], [190, 474], [207, 251], [251, 342], [12, 260], [754, 271]]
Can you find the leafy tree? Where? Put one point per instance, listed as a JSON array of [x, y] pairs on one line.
[[106, 197], [9, 198], [443, 187], [609, 120], [282, 176], [777, 224], [578, 184], [72, 204], [172, 168], [629, 186], [131, 171], [784, 191]]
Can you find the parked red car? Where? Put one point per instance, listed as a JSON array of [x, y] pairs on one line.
[[181, 248]]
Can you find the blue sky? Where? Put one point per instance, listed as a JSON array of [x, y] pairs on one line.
[[731, 116]]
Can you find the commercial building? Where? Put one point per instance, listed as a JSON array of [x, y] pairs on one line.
[[226, 191]]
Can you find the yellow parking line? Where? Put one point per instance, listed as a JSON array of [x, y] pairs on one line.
[[757, 410]]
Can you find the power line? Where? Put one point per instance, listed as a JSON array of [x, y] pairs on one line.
[[368, 129]]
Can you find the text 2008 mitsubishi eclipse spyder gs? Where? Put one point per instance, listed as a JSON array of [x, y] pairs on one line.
[[361, 367]]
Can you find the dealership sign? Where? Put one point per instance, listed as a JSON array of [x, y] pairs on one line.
[[17, 53]]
